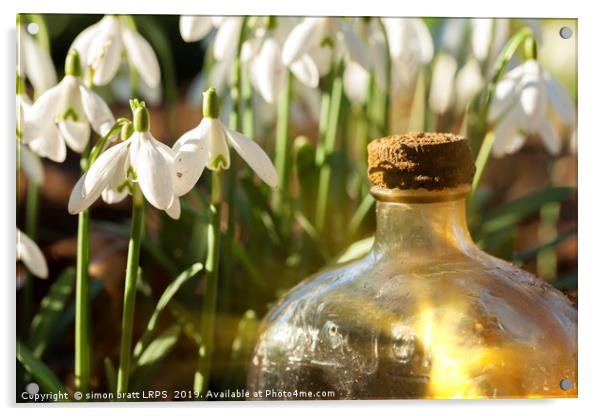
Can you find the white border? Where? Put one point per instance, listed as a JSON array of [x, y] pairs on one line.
[[590, 203]]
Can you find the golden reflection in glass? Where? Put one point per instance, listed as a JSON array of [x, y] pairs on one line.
[[425, 314]]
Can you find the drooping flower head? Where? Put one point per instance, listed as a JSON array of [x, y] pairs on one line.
[[519, 108], [138, 159], [102, 47], [325, 39], [28, 160], [33, 61], [64, 114], [30, 254], [207, 146]]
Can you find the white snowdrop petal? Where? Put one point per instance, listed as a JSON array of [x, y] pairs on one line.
[[254, 155], [31, 255], [506, 132], [354, 45], [32, 165], [103, 170], [560, 99], [104, 53], [75, 133], [219, 154], [192, 154], [49, 144], [482, 32], [174, 209], [80, 200], [442, 87], [423, 38], [113, 195], [304, 37], [306, 71], [23, 107], [549, 137], [378, 59], [468, 83], [43, 112], [154, 173], [142, 56], [193, 28], [226, 39], [97, 111], [532, 105], [269, 72], [116, 189], [322, 57], [503, 97], [355, 82], [39, 68]]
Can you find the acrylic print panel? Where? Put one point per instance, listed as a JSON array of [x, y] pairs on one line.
[[204, 211]]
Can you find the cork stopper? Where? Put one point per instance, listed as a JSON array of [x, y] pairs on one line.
[[431, 161]]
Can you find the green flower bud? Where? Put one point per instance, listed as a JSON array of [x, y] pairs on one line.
[[530, 48], [73, 64], [141, 119], [127, 129], [211, 103]]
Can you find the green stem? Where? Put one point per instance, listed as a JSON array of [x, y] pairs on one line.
[[329, 144], [235, 124], [283, 146], [388, 76], [129, 294], [31, 229], [248, 113], [201, 377], [82, 304], [482, 158], [479, 107]]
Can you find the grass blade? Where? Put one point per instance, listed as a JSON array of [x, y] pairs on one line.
[[167, 295], [51, 309], [38, 370]]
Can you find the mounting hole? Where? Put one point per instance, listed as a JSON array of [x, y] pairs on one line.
[[32, 388], [33, 28], [566, 384], [566, 32]]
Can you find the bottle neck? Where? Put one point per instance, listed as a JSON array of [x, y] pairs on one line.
[[434, 227]]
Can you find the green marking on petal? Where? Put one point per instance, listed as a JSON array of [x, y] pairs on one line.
[[327, 41], [219, 162], [70, 114]]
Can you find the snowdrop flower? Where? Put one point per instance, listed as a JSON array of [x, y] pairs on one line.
[[30, 254], [207, 146], [488, 37], [263, 56], [64, 114], [411, 47], [356, 78], [519, 105], [33, 61], [313, 36], [468, 82], [453, 88], [444, 71], [103, 44], [141, 159], [29, 162], [194, 28]]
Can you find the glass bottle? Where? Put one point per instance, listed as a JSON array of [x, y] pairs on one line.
[[426, 313]]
